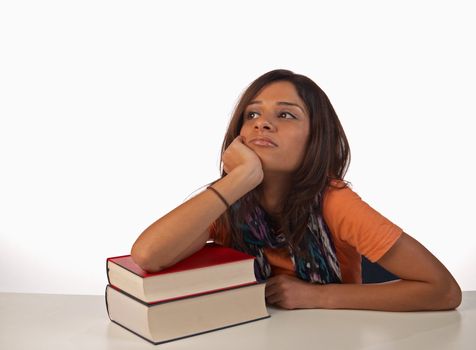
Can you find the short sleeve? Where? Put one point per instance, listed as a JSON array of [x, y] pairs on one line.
[[212, 231], [217, 234], [353, 221]]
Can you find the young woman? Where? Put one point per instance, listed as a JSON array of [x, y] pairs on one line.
[[282, 198]]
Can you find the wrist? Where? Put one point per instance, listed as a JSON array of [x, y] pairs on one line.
[[324, 294], [236, 184], [248, 177]]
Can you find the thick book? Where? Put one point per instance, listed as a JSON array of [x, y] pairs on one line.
[[211, 269], [172, 320]]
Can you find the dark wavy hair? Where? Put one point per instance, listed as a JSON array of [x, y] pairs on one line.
[[327, 157]]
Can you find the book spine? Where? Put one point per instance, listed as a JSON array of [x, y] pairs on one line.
[[107, 271], [107, 305]]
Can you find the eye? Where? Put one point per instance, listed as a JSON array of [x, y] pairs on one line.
[[287, 115], [250, 115]]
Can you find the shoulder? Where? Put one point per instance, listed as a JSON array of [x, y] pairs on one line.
[[354, 221], [337, 195], [338, 201]]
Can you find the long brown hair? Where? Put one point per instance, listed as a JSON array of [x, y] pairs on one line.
[[327, 157]]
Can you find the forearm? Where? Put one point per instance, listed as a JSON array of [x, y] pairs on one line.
[[400, 295], [185, 227]]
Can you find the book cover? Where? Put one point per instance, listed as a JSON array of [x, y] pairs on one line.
[[170, 321], [211, 254], [211, 269]]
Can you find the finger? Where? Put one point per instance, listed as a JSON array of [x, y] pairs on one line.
[[271, 280], [274, 299], [270, 291], [239, 138], [274, 280]]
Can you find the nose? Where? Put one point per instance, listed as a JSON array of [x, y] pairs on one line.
[[263, 124]]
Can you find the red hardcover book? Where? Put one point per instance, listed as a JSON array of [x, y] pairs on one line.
[[211, 269]]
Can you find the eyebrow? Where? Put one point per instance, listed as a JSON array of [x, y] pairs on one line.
[[280, 103]]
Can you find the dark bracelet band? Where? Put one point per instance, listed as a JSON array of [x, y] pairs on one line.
[[219, 195]]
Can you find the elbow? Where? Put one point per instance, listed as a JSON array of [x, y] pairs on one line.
[[450, 296], [455, 296], [144, 259]]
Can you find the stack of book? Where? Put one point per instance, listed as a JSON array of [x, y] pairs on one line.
[[214, 288]]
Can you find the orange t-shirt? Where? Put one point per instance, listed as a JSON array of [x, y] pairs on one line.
[[356, 228]]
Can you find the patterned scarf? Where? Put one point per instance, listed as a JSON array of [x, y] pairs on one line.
[[258, 233]]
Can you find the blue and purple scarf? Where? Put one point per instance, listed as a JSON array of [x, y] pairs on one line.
[[258, 233]]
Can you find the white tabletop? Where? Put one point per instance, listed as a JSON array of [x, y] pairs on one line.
[[41, 321]]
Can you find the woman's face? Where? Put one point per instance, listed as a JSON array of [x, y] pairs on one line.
[[276, 126]]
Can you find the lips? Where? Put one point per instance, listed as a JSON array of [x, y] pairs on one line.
[[263, 141]]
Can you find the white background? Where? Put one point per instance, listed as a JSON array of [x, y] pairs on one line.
[[113, 113]]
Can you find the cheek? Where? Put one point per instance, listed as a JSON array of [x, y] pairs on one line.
[[298, 141], [297, 147]]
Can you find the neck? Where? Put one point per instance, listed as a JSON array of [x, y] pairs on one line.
[[274, 188]]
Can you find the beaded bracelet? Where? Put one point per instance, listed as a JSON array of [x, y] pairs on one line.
[[219, 195]]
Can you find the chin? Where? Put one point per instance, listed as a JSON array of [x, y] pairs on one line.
[[273, 165], [276, 169]]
